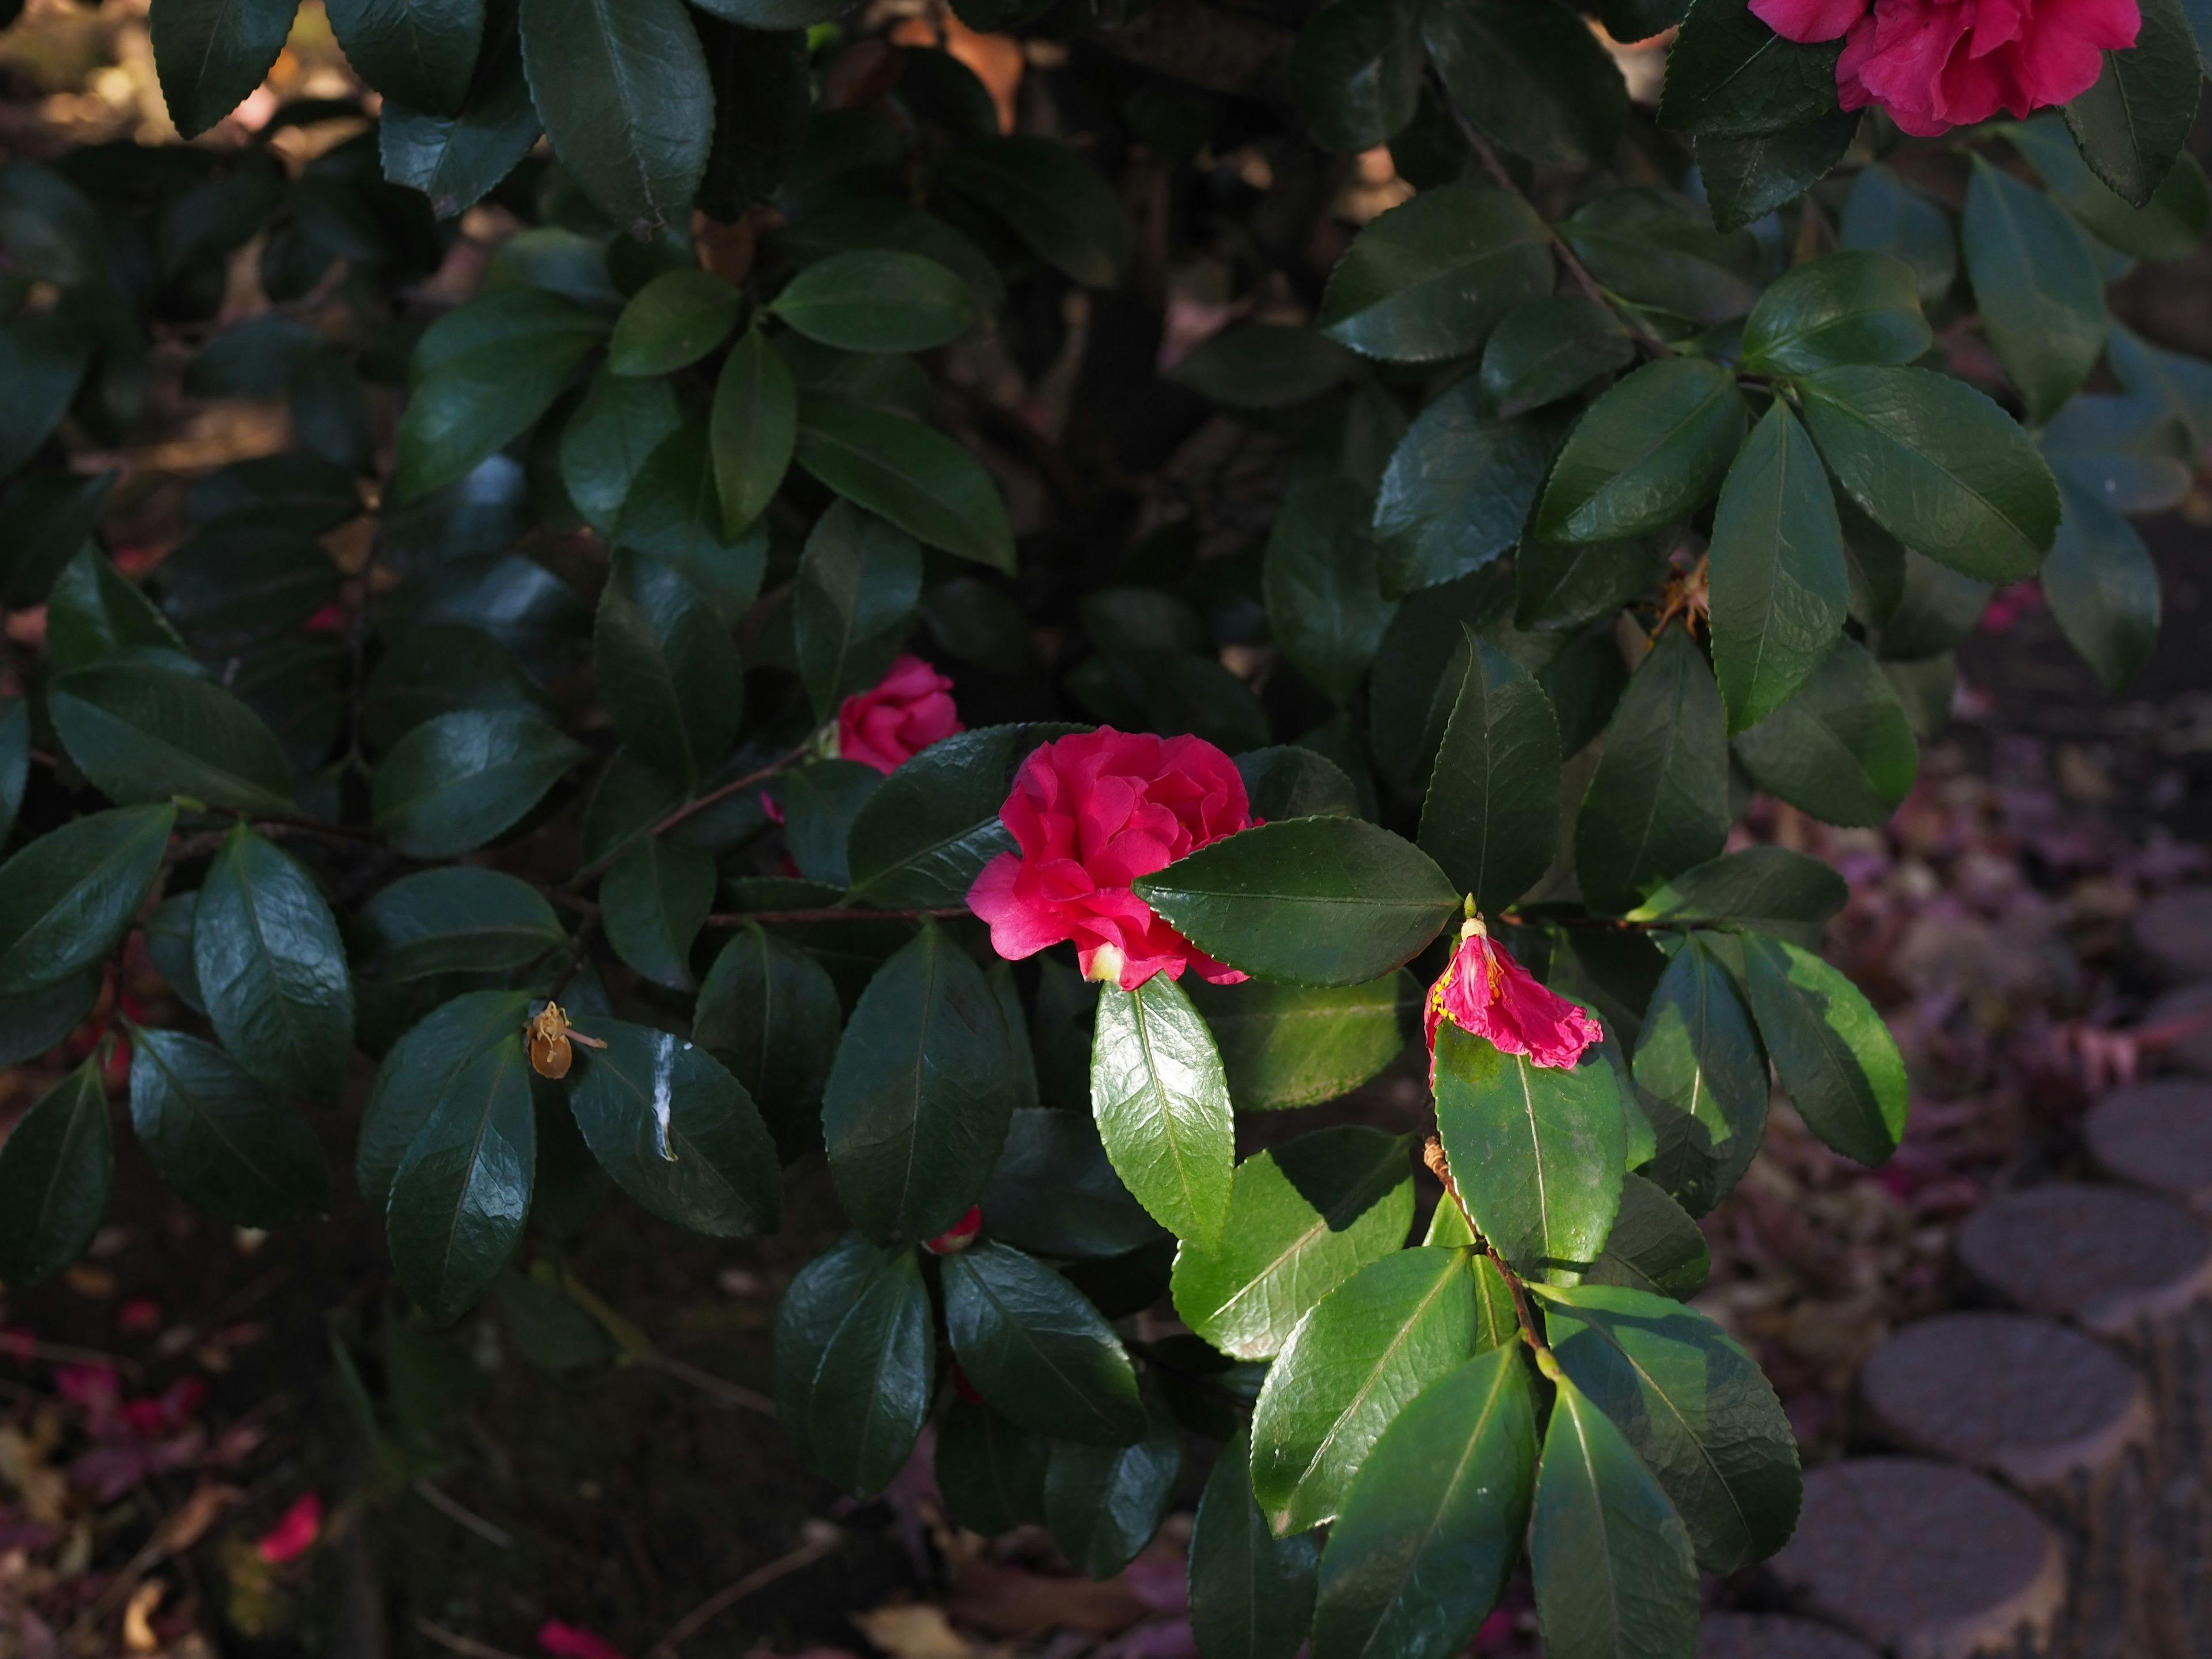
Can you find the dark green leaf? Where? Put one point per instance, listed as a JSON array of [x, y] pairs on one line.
[[1104, 1503], [878, 300], [1302, 1218], [1530, 75], [33, 1021], [1357, 72], [1040, 1353], [1658, 802], [1251, 1593], [990, 1472], [1432, 1529], [41, 361], [1885, 214], [441, 668], [1777, 581], [674, 512], [455, 782], [1432, 277], [1550, 349], [1366, 1349], [668, 670], [1055, 1195], [1851, 307], [67, 896], [1695, 1410], [1287, 781], [1566, 585], [1730, 74], [217, 1139], [267, 955], [1323, 602], [768, 1011], [1457, 490], [1313, 901], [676, 1131], [1263, 366], [419, 52], [1747, 179], [820, 801], [2102, 588], [917, 1104], [1652, 449], [653, 902], [762, 87], [1841, 748], [2042, 302], [1615, 1574], [2167, 227], [1491, 817], [1936, 609], [1703, 1075], [1654, 1245], [1832, 1055], [93, 609], [51, 518], [237, 583], [754, 425], [50, 230], [921, 840], [15, 761], [1052, 198], [2131, 454], [1537, 1152], [604, 445], [1937, 465], [438, 1055], [1769, 888], [672, 321], [1162, 1106], [1295, 1045], [483, 373], [853, 604], [627, 103], [549, 1328], [457, 160], [855, 1362], [458, 921], [910, 474], [2182, 385], [2133, 123], [57, 1168], [211, 53], [143, 733], [1655, 250]]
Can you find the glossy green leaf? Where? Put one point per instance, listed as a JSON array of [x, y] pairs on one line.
[[1747, 179], [1324, 603], [1730, 74], [910, 474], [1771, 889], [92, 609], [1841, 748], [441, 668], [1883, 214], [878, 300], [51, 516], [853, 604], [437, 923], [1302, 1218], [2133, 123], [1285, 780], [267, 956], [142, 732], [1658, 802], [674, 512], [855, 1362], [1363, 1351], [1055, 1193], [1162, 1106], [1655, 251], [754, 425], [1550, 349], [768, 1011], [418, 51], [31, 1022], [1835, 1058], [1848, 307], [990, 1471], [1298, 1045], [210, 54], [1104, 1503], [1251, 1593], [1655, 1246], [1037, 1351], [2042, 303], [57, 1169], [1356, 71], [455, 782], [918, 1102], [456, 160], [667, 669], [1536, 1149], [605, 444], [1491, 817], [2102, 588], [653, 903], [676, 1131], [1432, 277], [627, 103], [66, 897], [1531, 76], [672, 321], [438, 1055], [1322, 901], [2167, 226], [1615, 1575], [1937, 465], [1653, 448], [1458, 488], [1777, 581], [483, 373], [1263, 366], [920, 840], [217, 1139], [2132, 454], [41, 362], [1432, 1529], [51, 229], [1703, 1075], [1056, 201], [820, 801]]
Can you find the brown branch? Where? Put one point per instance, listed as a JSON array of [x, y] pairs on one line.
[[699, 804], [1432, 1154], [739, 918]]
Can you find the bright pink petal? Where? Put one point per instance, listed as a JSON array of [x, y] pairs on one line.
[[295, 1532], [1809, 20], [1488, 995], [561, 1641]]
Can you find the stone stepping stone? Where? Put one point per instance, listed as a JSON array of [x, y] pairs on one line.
[[2192, 1053], [2032, 1400], [1775, 1636], [2172, 933], [1925, 1560], [2109, 1258], [2157, 1135]]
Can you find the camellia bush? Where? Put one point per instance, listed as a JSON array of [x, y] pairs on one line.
[[630, 718]]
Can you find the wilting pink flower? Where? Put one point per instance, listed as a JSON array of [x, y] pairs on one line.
[[910, 710], [1935, 64], [1487, 993], [295, 1532], [1091, 813], [575, 1642]]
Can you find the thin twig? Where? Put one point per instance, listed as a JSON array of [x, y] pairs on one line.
[[699, 804], [13, 1347], [739, 918], [464, 1517], [315, 827], [1519, 1296], [583, 948], [723, 1600], [453, 1642], [730, 1392]]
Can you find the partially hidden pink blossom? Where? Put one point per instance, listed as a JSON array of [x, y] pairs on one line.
[[574, 1642], [910, 708], [1487, 993], [295, 1532]]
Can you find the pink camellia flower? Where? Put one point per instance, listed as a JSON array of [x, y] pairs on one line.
[[1935, 64], [911, 709], [1487, 993], [959, 1236], [295, 1532], [1091, 813], [575, 1642]]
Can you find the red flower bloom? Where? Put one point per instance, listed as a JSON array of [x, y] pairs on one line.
[[1935, 64], [1488, 995], [911, 709], [575, 1642], [1091, 813], [295, 1532], [959, 1236]]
